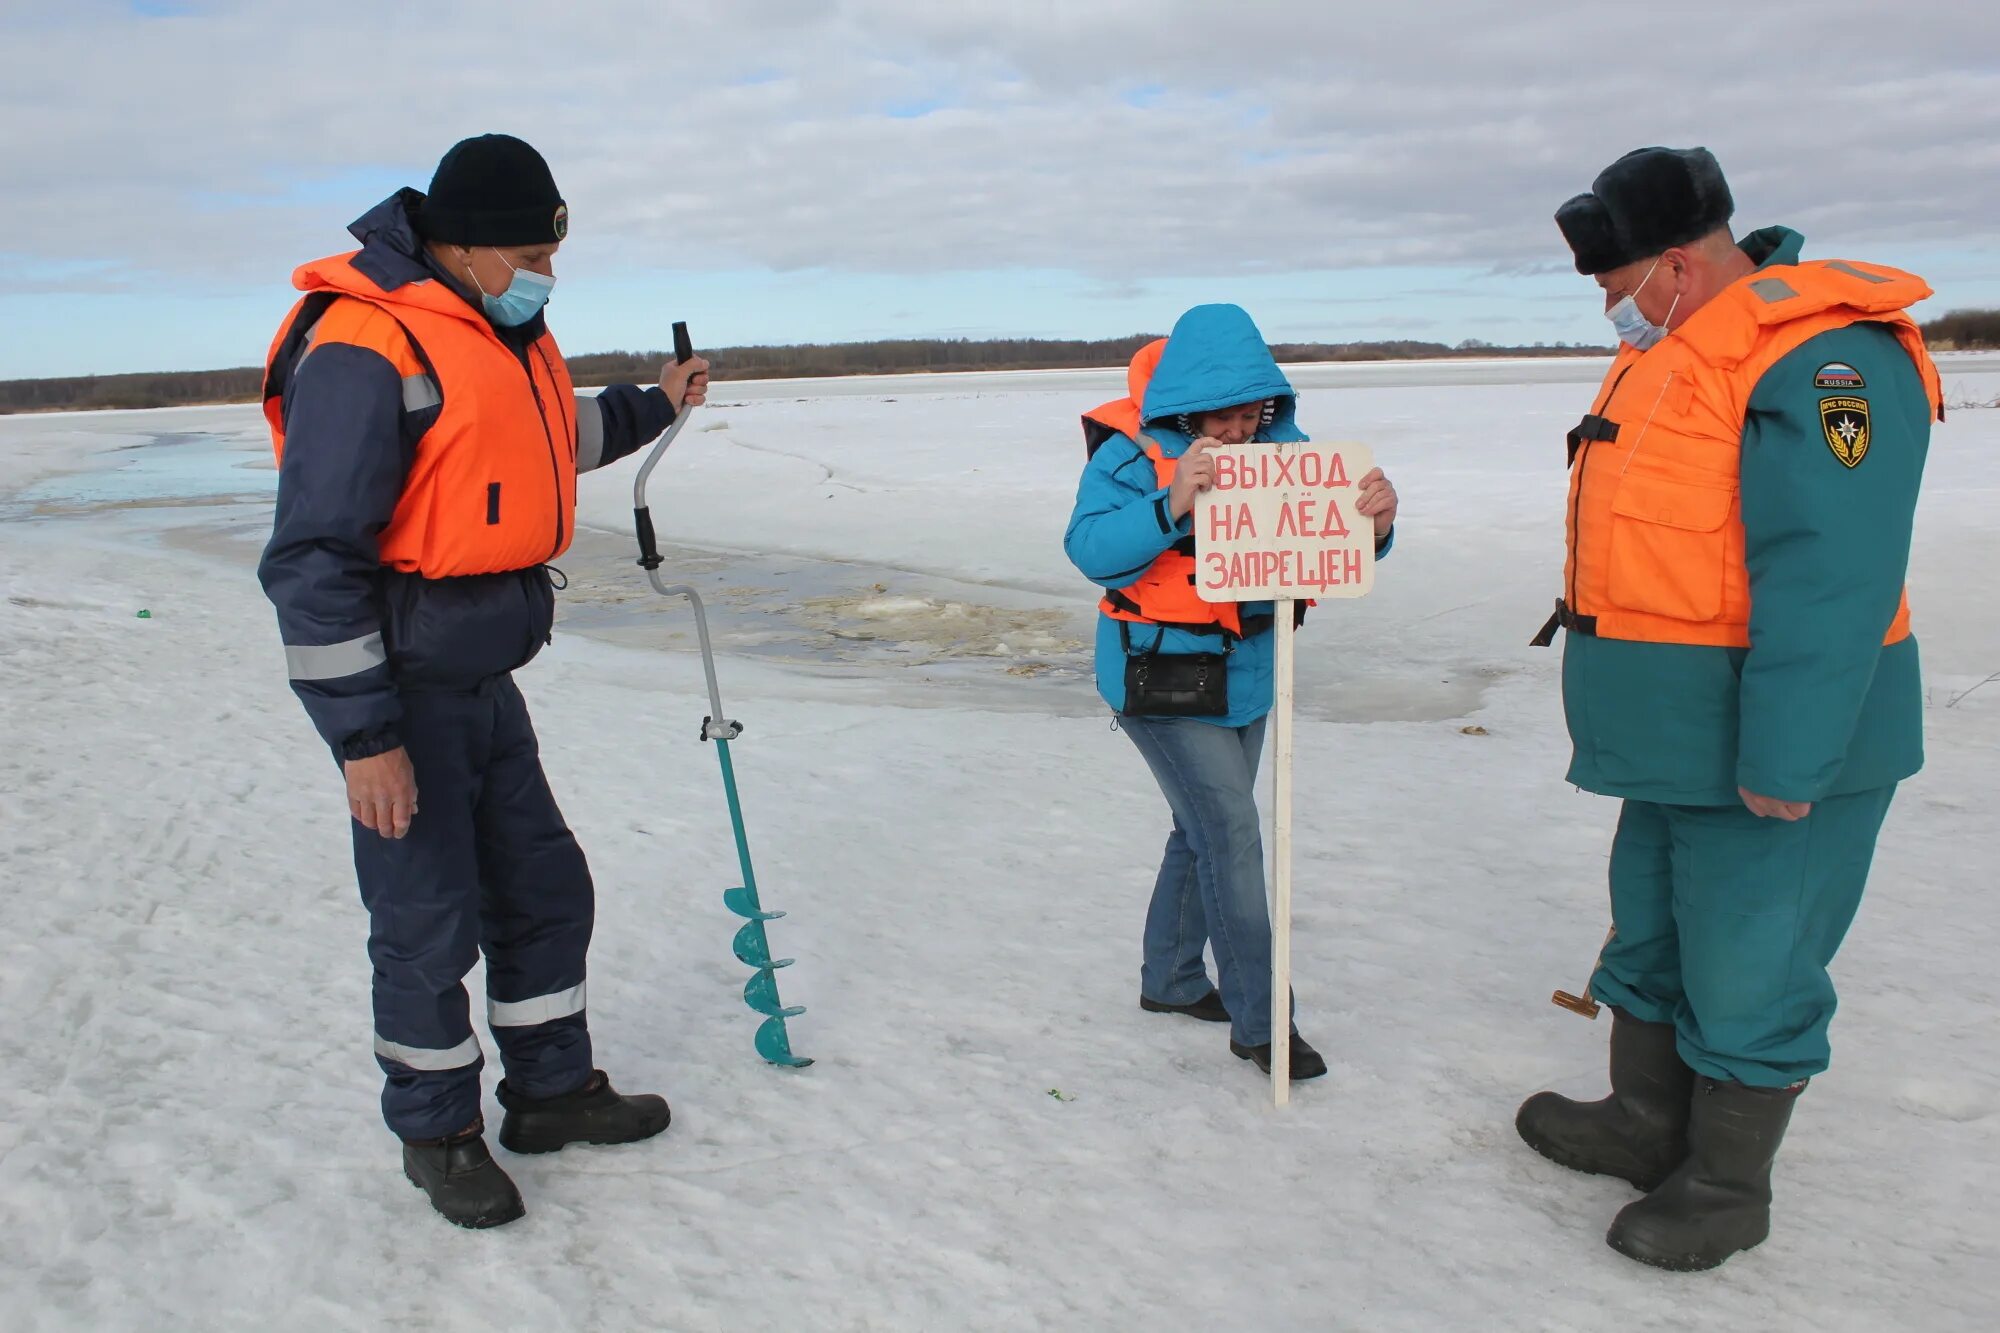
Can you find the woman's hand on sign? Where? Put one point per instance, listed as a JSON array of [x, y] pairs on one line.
[[1195, 473], [685, 382], [1378, 501]]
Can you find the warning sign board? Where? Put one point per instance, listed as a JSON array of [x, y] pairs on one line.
[[1280, 522]]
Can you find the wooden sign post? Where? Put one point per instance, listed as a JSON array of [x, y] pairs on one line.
[[1279, 525]]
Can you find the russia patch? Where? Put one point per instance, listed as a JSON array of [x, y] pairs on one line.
[[1838, 375]]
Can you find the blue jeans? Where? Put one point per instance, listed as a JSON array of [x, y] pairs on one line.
[[1211, 884]]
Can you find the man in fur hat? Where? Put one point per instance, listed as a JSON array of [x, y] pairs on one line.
[[1738, 669]]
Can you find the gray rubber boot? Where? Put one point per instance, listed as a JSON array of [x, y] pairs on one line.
[[1719, 1201], [1639, 1132], [464, 1183], [594, 1113]]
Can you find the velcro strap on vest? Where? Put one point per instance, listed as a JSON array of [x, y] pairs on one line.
[[1125, 635], [1564, 618], [1252, 625], [1592, 427]]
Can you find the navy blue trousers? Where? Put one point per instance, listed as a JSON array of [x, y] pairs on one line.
[[488, 866]]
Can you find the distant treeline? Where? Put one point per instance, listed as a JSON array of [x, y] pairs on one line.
[[920, 355], [1960, 329], [802, 360], [1965, 330], [167, 388]]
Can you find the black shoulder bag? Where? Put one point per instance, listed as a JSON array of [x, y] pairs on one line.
[[1161, 684]]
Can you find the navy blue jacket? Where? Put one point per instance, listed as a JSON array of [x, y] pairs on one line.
[[357, 633]]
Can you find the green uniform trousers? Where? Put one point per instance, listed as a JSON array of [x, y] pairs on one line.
[[1725, 923]]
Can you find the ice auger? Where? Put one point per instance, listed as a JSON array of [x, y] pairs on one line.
[[752, 946]]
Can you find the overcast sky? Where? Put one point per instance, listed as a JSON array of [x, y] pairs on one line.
[[783, 171]]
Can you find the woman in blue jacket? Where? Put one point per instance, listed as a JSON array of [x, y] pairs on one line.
[[1191, 680]]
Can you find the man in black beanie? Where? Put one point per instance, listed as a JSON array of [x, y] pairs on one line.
[[1739, 671], [429, 441]]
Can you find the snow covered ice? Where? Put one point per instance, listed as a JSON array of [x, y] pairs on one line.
[[188, 1125]]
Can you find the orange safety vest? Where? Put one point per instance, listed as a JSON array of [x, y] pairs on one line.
[[1165, 594], [1655, 508], [492, 487]]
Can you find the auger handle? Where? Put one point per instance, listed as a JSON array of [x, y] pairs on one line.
[[642, 518], [1585, 1005]]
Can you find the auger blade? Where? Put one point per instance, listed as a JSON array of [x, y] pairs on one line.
[[751, 946], [761, 994], [776, 1046], [744, 904]]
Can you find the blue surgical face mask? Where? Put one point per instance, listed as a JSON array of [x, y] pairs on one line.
[[1634, 327], [526, 294]]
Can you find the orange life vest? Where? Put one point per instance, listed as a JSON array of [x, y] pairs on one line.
[[1656, 541], [492, 487], [1165, 594], [1121, 416]]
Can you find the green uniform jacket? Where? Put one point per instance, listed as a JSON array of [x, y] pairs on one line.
[[1816, 706]]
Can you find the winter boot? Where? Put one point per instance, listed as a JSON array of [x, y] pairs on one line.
[[1306, 1062], [592, 1114], [1639, 1132], [1719, 1201], [463, 1181], [1208, 1008]]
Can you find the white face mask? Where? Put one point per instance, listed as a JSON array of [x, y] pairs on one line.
[[1634, 327]]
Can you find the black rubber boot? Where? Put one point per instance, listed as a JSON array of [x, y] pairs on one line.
[[1719, 1201], [1306, 1062], [464, 1183], [1639, 1132], [1208, 1008], [594, 1113]]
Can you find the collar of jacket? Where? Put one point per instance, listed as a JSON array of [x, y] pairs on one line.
[[1773, 245], [393, 255]]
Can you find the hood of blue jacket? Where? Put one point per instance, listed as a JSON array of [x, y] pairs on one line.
[[1216, 358]]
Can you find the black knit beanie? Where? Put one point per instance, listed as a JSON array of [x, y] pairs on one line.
[[1650, 200], [493, 190]]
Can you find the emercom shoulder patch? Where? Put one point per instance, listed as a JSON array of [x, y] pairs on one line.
[[1838, 375], [1845, 424]]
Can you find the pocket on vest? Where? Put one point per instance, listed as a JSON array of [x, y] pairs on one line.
[[1668, 548]]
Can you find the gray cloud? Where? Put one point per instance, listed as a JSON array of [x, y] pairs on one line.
[[1274, 137]]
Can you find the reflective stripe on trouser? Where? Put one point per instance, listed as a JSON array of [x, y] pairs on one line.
[[489, 865], [1725, 926]]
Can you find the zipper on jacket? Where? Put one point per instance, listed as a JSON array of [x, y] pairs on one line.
[[555, 463], [1576, 500]]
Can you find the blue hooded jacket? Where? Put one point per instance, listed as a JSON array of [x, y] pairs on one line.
[[1215, 358]]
